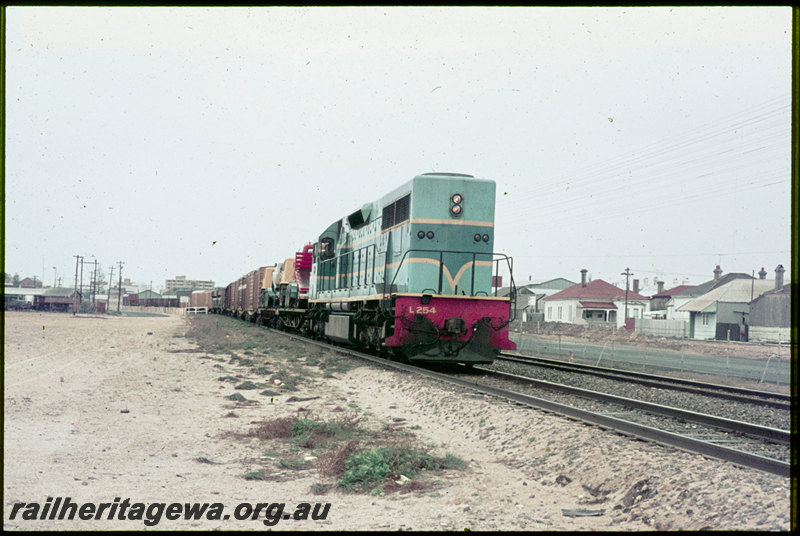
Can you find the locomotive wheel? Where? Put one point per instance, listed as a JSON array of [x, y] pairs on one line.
[[363, 339], [395, 354]]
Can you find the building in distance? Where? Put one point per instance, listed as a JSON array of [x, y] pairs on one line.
[[596, 302], [180, 282]]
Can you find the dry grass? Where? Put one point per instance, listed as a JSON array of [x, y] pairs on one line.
[[275, 429], [360, 460], [332, 462]]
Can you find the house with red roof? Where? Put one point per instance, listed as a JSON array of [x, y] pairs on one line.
[[30, 283], [661, 299], [594, 302]]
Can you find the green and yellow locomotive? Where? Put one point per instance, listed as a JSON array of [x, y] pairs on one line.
[[411, 274]]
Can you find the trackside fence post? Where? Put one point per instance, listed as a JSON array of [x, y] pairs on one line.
[[601, 354], [765, 369]]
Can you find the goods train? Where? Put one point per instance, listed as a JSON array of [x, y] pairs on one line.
[[409, 276]]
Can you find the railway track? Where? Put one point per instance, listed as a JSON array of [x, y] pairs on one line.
[[726, 392], [667, 417], [684, 394], [713, 440], [765, 432]]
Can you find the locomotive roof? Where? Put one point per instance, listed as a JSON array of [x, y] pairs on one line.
[[407, 186], [397, 193], [444, 174]]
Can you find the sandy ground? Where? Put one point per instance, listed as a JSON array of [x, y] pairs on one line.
[[102, 408]]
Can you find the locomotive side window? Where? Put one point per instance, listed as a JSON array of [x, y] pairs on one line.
[[327, 248]]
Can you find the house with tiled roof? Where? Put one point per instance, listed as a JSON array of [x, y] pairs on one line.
[[594, 302], [660, 300], [529, 296], [30, 283]]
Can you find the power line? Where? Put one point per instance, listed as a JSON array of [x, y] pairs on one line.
[[669, 147], [685, 162], [648, 255]]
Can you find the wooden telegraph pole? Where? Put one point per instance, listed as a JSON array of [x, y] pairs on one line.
[[119, 287], [80, 294], [78, 259], [108, 299], [627, 273]]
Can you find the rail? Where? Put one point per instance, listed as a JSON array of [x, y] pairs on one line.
[[740, 394]]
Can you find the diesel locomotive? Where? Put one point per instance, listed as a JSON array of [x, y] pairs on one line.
[[409, 276]]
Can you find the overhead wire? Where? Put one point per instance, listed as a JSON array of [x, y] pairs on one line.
[[713, 164], [667, 148], [689, 138]]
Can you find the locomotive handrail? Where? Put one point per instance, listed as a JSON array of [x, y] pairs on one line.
[[345, 280], [501, 257]]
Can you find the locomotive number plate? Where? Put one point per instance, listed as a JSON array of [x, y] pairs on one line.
[[422, 310]]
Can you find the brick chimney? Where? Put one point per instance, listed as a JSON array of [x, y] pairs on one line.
[[779, 277], [762, 274], [660, 287], [717, 273], [636, 286], [583, 277]]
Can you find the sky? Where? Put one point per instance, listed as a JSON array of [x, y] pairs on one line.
[[207, 142]]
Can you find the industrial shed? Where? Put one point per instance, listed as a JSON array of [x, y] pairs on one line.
[[770, 316], [56, 299]]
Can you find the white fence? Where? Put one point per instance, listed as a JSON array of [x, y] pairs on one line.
[[149, 309], [765, 334]]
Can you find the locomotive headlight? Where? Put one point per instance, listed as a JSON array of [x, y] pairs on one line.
[[421, 234], [430, 235], [486, 238], [477, 237], [455, 208]]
